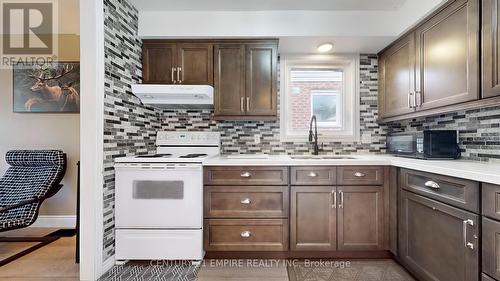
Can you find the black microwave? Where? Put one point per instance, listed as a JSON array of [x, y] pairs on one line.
[[427, 144]]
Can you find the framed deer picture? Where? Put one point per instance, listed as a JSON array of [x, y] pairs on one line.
[[49, 88]]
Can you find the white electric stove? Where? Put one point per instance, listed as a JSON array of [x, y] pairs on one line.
[[159, 198]]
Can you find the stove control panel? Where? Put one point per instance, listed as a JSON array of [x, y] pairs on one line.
[[187, 138]]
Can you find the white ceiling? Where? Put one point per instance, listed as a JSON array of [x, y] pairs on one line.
[[353, 26], [268, 5], [357, 44]]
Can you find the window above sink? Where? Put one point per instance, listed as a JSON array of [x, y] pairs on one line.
[[322, 85]]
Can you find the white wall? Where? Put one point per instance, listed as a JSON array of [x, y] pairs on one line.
[[47, 131], [41, 131]]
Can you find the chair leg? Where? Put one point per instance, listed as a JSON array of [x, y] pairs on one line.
[[43, 241]]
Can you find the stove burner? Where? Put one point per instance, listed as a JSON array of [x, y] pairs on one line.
[[193, 155], [154, 155]]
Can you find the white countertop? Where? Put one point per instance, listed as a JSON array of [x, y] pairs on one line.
[[471, 170]]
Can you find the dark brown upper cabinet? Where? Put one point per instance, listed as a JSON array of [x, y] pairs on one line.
[[229, 79], [158, 62], [447, 59], [435, 67], [491, 48], [195, 63], [261, 79], [246, 80], [166, 62], [397, 78]]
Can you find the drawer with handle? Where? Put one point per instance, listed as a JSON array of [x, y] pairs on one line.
[[246, 235], [252, 175], [313, 175], [491, 201], [360, 175], [246, 202], [454, 191]]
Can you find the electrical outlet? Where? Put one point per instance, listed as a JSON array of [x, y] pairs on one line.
[[366, 138], [256, 139]]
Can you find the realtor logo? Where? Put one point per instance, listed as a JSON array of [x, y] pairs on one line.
[[28, 31]]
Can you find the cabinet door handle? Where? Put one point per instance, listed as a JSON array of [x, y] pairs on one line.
[[246, 201], [242, 107], [173, 73], [179, 69], [359, 174], [409, 100], [341, 203], [245, 234], [334, 194], [467, 244], [248, 104], [312, 174], [245, 175], [432, 184]]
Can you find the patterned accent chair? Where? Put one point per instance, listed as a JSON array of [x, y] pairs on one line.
[[33, 176]]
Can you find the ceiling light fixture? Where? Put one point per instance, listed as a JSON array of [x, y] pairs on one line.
[[325, 47]]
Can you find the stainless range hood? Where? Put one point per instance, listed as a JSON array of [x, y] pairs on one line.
[[175, 96]]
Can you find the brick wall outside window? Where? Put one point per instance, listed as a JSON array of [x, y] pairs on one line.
[[300, 104]]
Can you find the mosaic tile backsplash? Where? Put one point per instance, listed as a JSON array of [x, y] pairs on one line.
[[479, 131], [238, 136], [129, 127]]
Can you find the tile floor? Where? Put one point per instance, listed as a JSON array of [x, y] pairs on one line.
[[55, 262], [244, 271], [357, 270]]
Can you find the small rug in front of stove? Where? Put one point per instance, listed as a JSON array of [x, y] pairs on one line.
[[373, 270], [153, 272]]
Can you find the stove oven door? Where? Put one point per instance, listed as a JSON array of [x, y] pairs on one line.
[[159, 196]]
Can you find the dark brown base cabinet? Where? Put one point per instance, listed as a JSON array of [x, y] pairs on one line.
[[360, 219], [491, 247], [246, 234], [437, 241], [303, 211], [491, 230], [326, 217], [313, 218], [246, 208]]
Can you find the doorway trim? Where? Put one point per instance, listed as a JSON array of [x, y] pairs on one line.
[[91, 138]]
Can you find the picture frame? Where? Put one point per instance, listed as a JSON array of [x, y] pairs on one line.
[[47, 88]]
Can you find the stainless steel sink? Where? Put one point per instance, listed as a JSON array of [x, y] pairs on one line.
[[319, 157]]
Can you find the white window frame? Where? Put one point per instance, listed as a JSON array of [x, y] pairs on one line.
[[349, 64]]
